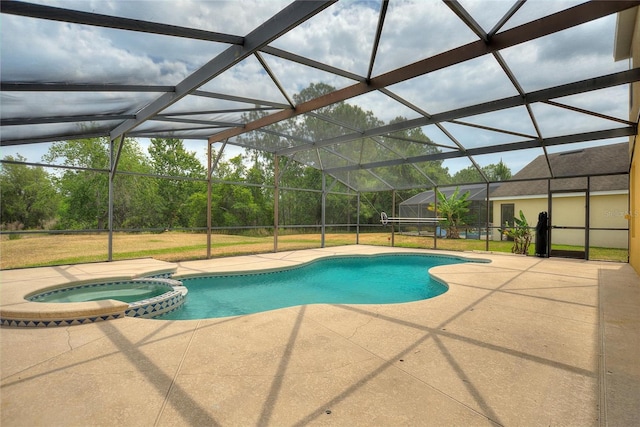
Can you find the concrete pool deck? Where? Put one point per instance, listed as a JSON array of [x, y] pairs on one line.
[[517, 341]]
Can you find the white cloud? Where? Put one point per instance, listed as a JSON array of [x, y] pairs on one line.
[[341, 36], [472, 82], [575, 54], [35, 50], [412, 32]]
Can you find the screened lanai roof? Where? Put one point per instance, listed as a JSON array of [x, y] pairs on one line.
[[374, 93]]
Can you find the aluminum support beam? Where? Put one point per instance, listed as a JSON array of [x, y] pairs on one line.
[[587, 220], [51, 138], [176, 133], [276, 200], [209, 123], [435, 212], [488, 222], [457, 8], [274, 79], [210, 167], [251, 101], [431, 144], [358, 219], [517, 5], [492, 129], [63, 119], [323, 215], [311, 63], [285, 20], [80, 87], [210, 112], [374, 51], [393, 213], [114, 158], [590, 113]]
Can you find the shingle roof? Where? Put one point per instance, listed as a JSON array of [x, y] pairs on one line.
[[477, 192], [612, 158]]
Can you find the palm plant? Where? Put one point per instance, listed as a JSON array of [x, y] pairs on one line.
[[520, 233], [454, 208]]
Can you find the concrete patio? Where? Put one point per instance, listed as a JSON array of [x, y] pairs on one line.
[[519, 341]]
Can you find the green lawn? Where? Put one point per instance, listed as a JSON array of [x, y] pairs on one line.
[[43, 250]]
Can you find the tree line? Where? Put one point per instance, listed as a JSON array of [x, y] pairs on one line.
[[165, 188], [76, 196]]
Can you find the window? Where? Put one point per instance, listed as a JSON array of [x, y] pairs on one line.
[[507, 213]]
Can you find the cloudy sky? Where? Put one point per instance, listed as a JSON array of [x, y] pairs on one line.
[[342, 36]]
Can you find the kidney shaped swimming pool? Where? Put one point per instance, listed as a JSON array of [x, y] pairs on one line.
[[374, 279]]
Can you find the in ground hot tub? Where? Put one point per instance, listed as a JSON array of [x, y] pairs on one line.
[[128, 291], [145, 297]]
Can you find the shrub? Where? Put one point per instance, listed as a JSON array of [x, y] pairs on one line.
[[520, 233]]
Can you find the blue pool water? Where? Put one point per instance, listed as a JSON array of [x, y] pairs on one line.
[[381, 279]]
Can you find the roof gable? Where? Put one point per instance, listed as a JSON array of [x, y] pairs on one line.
[[607, 159]]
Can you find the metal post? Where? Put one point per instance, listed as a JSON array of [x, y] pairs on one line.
[[113, 165], [630, 207], [358, 220], [486, 246], [324, 205], [110, 219], [209, 203], [393, 213], [549, 217], [276, 197], [435, 214], [587, 219], [348, 214], [211, 165]]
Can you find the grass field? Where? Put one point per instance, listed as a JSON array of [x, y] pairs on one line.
[[43, 250]]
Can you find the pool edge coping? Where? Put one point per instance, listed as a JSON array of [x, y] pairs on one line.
[[299, 264]]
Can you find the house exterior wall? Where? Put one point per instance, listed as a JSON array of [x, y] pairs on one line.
[[606, 211], [568, 211], [530, 208], [633, 214]]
